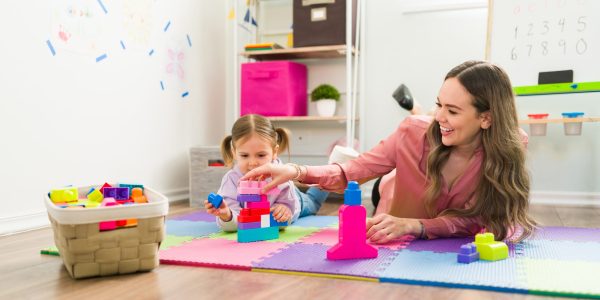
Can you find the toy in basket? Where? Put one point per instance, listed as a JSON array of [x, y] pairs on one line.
[[96, 234]]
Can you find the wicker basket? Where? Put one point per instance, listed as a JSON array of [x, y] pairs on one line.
[[88, 252]]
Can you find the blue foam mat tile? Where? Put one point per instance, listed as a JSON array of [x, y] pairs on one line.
[[443, 268], [313, 259], [191, 228], [561, 250], [316, 221]]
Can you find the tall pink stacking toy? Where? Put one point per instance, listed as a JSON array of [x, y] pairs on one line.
[[353, 228], [274, 88]]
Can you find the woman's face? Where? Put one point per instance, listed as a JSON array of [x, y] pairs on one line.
[[460, 123]]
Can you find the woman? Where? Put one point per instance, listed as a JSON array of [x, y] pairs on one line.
[[457, 174]]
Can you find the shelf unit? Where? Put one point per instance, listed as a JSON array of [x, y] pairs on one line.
[[353, 62], [335, 51], [310, 118]]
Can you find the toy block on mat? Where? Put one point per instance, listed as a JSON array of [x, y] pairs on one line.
[[249, 225], [352, 241], [215, 199], [468, 254], [257, 234], [265, 220], [64, 195], [352, 194], [248, 198], [275, 223], [248, 219], [261, 204], [488, 248], [249, 187]]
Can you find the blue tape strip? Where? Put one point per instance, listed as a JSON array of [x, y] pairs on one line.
[[101, 57], [189, 40], [162, 86], [51, 47], [103, 7], [185, 94], [122, 44], [151, 52], [167, 26]]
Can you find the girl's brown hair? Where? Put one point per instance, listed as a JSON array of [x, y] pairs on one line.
[[245, 126], [502, 195]]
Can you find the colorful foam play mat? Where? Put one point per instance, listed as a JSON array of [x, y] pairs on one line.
[[557, 261]]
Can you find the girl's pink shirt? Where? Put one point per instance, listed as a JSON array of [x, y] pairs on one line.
[[406, 151]]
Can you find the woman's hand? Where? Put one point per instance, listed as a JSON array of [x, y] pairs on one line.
[[383, 228], [279, 174], [223, 212], [281, 213]]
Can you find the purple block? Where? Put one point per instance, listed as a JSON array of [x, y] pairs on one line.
[[248, 198], [249, 225], [110, 192], [468, 254], [122, 193]]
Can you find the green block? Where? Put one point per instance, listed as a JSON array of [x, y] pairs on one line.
[[50, 251], [257, 234]]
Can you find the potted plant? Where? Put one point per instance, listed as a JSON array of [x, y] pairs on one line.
[[326, 96]]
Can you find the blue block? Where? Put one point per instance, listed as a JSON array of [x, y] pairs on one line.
[[275, 223], [248, 198], [352, 194], [257, 234], [215, 199]]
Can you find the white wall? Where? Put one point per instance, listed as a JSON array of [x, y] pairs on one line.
[[412, 42], [69, 120]]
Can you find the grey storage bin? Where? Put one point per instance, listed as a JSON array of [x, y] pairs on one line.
[[204, 179]]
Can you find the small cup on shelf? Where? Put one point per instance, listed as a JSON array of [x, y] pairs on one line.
[[572, 128], [537, 129]]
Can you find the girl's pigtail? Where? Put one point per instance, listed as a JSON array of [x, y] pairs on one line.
[[227, 151]]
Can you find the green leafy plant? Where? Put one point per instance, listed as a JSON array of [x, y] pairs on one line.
[[325, 91]]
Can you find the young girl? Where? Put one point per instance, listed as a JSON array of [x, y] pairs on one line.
[[254, 142]]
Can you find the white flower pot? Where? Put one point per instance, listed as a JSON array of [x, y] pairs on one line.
[[326, 107]]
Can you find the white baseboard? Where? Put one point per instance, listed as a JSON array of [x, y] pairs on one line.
[[22, 223], [565, 198]]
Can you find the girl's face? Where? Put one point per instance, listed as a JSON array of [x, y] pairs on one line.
[[460, 123], [253, 152]]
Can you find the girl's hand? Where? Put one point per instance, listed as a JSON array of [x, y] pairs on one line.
[[223, 212], [383, 228], [279, 174], [281, 213]]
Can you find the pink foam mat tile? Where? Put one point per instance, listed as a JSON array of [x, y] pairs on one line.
[[221, 253], [329, 237]]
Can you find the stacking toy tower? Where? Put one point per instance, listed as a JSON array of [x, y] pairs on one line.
[[256, 222], [353, 228]]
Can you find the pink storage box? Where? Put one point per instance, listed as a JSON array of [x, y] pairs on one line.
[[274, 88]]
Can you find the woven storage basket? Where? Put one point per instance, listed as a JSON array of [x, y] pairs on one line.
[[88, 252]]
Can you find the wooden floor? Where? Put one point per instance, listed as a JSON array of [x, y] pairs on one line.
[[25, 274]]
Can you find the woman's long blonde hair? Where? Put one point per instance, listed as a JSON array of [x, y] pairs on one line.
[[245, 126], [502, 196]]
